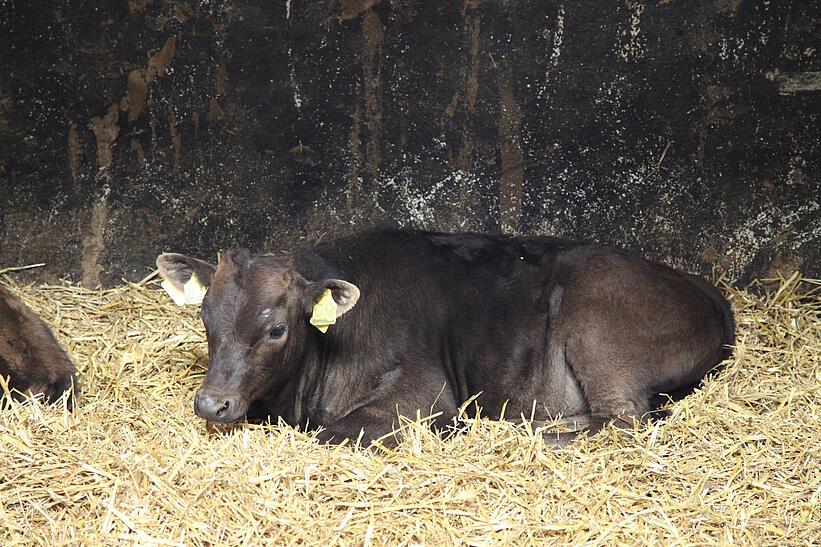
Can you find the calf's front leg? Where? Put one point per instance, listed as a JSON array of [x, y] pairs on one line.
[[366, 424]]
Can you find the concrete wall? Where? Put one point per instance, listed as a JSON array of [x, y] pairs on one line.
[[685, 130]]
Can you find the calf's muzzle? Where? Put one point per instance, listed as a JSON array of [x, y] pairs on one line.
[[218, 407]]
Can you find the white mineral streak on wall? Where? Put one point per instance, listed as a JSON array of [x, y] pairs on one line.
[[796, 82], [294, 84], [292, 66], [633, 47], [556, 51], [558, 37]]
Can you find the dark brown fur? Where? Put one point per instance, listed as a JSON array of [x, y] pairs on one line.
[[30, 356], [537, 326]]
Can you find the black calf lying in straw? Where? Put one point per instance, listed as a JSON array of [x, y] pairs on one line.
[[30, 357], [345, 333]]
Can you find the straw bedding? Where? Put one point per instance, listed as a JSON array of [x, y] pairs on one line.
[[737, 462]]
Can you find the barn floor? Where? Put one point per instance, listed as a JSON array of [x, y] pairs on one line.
[[738, 461]]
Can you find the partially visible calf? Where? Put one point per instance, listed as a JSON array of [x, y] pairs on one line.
[[30, 357]]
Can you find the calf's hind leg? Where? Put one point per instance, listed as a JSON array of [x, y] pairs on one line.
[[610, 378]]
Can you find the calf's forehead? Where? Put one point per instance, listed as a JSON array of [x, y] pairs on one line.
[[258, 287]]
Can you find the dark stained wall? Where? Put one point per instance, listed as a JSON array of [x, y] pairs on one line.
[[690, 131]]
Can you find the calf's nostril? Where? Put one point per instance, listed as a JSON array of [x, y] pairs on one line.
[[223, 409]]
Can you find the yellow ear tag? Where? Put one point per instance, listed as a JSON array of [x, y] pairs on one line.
[[324, 312], [192, 292]]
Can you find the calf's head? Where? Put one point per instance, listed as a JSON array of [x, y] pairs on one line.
[[30, 356], [256, 313]]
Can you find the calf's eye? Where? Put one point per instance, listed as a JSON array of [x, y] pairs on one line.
[[278, 331]]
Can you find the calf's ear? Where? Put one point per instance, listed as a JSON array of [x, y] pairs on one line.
[[345, 295], [10, 310], [185, 279]]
